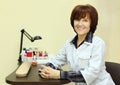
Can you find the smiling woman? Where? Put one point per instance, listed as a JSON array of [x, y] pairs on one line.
[[50, 19], [84, 53]]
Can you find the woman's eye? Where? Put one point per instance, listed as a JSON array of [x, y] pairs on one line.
[[85, 20]]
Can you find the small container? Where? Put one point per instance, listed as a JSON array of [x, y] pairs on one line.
[[29, 56], [45, 55], [34, 62]]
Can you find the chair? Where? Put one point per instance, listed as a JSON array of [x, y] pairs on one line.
[[114, 70]]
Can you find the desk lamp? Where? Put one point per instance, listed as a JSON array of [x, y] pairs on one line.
[[32, 39]]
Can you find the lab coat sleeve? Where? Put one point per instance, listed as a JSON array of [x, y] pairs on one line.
[[96, 62], [59, 59]]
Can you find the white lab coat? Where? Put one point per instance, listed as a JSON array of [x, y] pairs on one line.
[[88, 58]]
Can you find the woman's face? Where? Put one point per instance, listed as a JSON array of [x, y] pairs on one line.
[[82, 26]]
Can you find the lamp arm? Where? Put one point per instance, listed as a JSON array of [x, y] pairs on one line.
[[28, 36]]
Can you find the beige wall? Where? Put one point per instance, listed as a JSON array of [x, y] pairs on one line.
[[50, 19]]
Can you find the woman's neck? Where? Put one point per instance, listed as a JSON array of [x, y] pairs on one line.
[[80, 39]]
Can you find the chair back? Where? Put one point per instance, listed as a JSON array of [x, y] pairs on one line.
[[114, 70]]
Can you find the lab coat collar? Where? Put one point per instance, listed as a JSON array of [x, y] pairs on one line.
[[88, 38]]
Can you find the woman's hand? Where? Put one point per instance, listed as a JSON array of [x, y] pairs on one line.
[[49, 73]]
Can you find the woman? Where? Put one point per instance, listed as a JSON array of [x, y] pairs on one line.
[[84, 53]]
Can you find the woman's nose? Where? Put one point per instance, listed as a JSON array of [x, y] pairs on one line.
[[80, 22]]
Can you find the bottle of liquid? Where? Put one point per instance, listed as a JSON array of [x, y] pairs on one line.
[[34, 62], [45, 55]]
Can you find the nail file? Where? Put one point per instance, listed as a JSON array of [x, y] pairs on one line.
[[23, 69]]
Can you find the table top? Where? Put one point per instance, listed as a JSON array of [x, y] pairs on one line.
[[33, 78]]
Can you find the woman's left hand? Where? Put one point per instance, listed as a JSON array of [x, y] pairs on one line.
[[49, 73]]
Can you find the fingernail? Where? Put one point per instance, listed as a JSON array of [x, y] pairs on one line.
[[39, 71]]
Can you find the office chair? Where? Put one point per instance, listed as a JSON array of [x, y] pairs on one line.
[[114, 70]]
